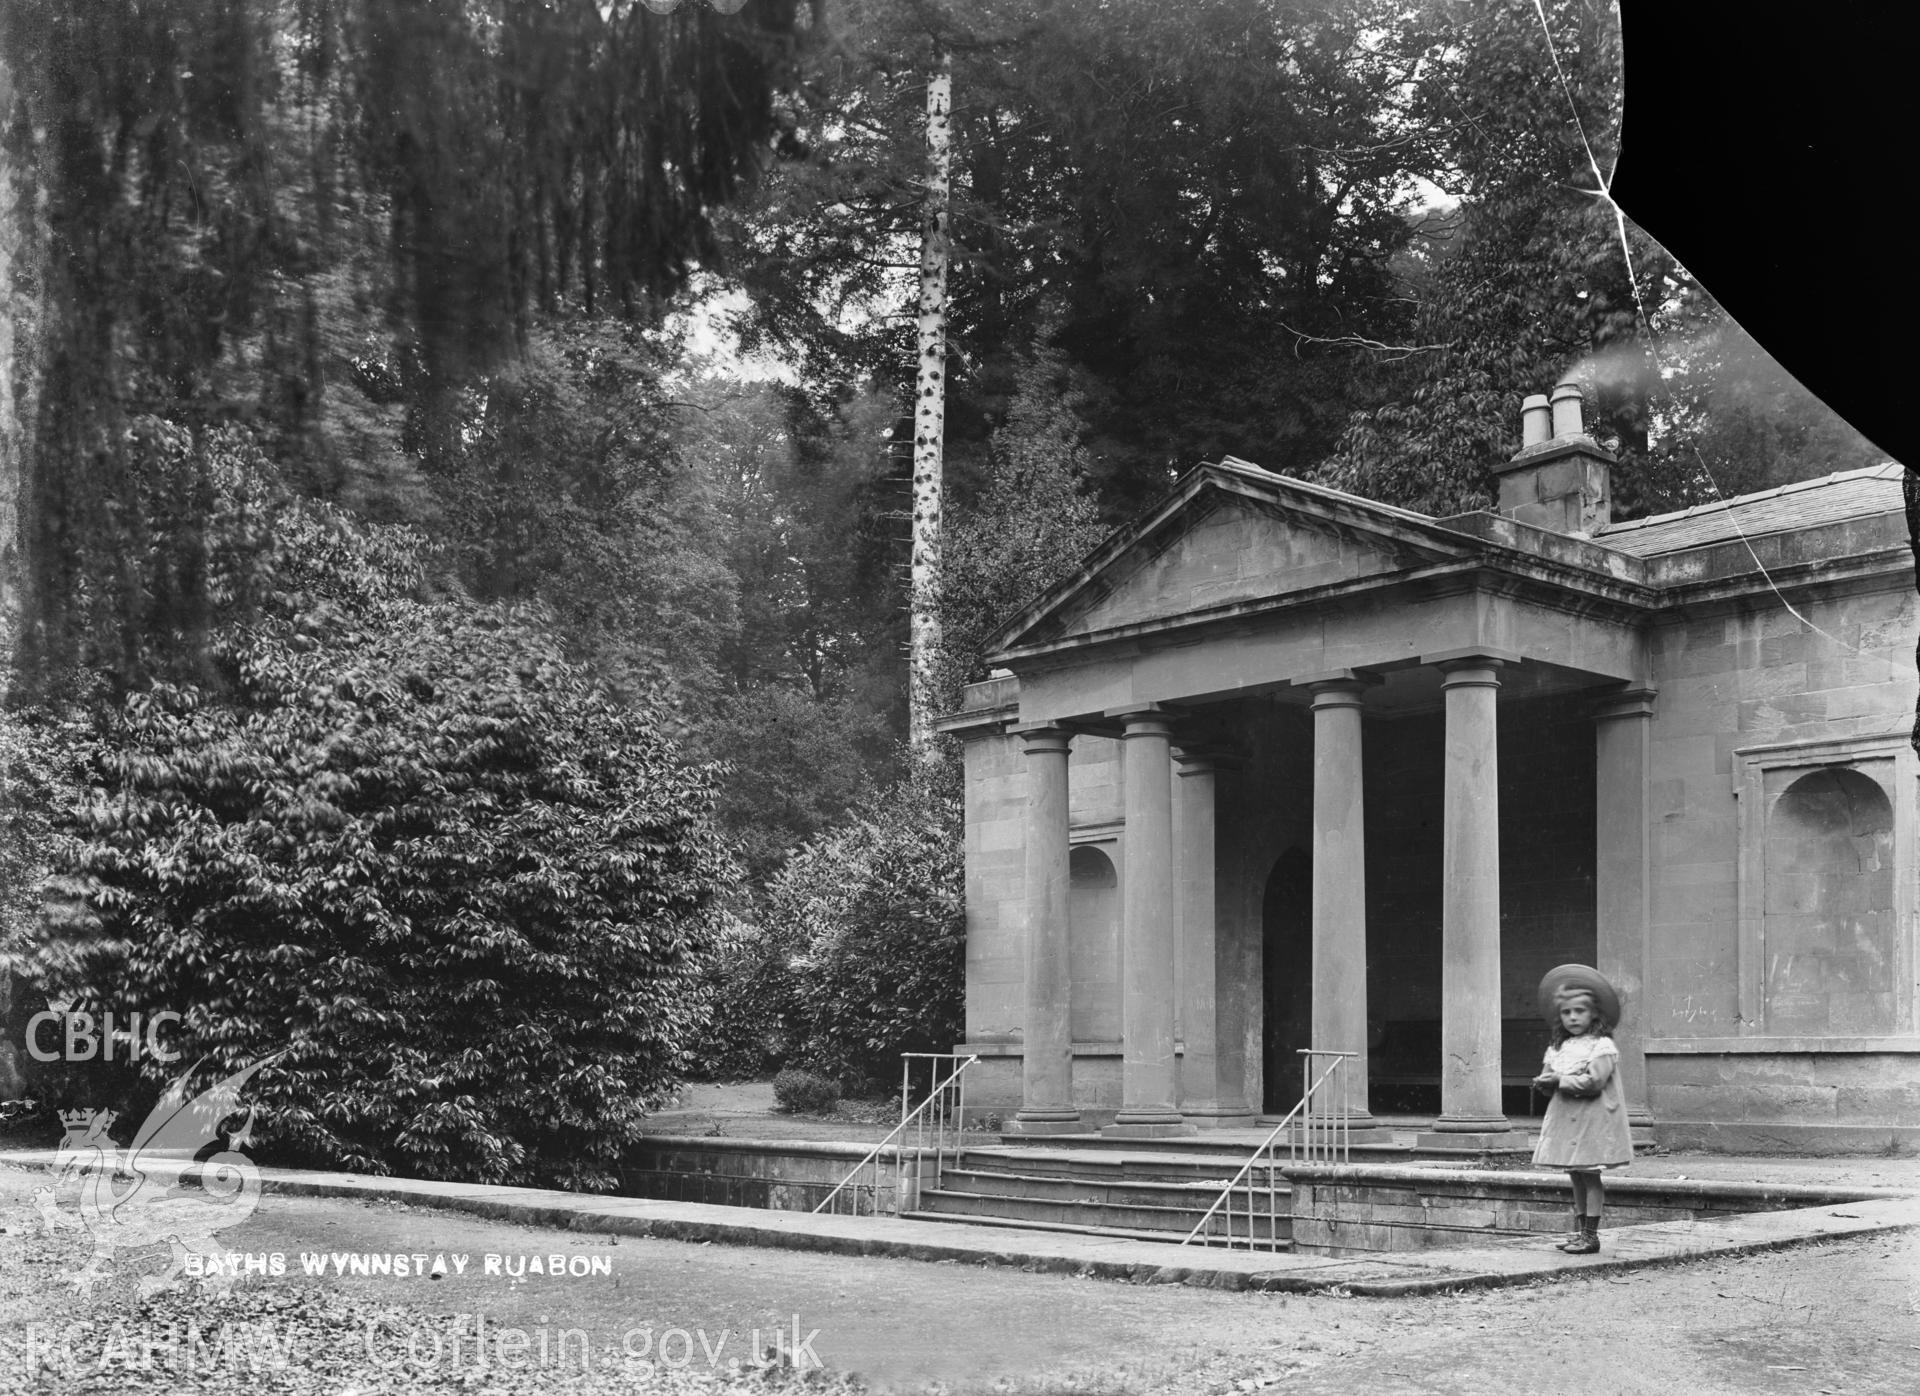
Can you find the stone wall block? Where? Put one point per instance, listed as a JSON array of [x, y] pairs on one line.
[[1698, 899], [1702, 836], [1690, 758], [1880, 702], [1465, 1216], [1560, 478], [1769, 719], [1399, 1213], [1778, 680], [1872, 1104]]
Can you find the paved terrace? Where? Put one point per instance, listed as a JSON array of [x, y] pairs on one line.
[[1146, 1262]]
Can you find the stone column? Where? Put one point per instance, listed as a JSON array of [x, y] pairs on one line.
[[1340, 885], [1046, 1071], [1149, 1084], [1470, 1111], [1213, 1068], [1622, 863]]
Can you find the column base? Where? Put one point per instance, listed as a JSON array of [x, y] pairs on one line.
[[1356, 1124], [1046, 1122], [1640, 1128], [1223, 1118], [1473, 1140], [1320, 1127], [1364, 1130], [1149, 1124], [1473, 1124]]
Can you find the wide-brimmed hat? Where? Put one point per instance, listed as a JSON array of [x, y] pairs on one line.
[[1582, 977]]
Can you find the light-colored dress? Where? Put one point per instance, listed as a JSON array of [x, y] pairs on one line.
[[1585, 1131]]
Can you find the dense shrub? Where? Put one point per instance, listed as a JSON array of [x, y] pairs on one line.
[[756, 1024], [805, 1092], [415, 843], [873, 915]]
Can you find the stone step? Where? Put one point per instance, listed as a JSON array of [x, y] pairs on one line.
[[1122, 1190], [1388, 1145], [1095, 1167], [1393, 1148], [1116, 1233], [1171, 1223], [1202, 1147]]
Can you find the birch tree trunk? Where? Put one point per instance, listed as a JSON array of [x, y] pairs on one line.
[[930, 409], [12, 484], [12, 475]]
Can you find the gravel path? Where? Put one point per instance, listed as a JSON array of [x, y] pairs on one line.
[[1837, 1318]]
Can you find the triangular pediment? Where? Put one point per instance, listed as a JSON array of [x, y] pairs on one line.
[[1228, 537]]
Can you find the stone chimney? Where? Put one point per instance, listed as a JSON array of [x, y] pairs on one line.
[[1560, 478]]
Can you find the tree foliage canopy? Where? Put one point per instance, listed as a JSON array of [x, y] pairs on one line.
[[311, 215], [1034, 518], [1178, 189]]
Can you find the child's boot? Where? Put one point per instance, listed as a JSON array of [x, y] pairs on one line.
[[1574, 1232], [1588, 1242]]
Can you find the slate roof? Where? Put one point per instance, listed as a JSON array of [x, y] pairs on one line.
[[1804, 504]]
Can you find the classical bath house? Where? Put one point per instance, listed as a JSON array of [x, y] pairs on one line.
[[1281, 767]]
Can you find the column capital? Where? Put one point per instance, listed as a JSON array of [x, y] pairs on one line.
[[1143, 720], [1338, 681], [1470, 673], [1199, 758], [1469, 657], [1628, 702], [1039, 737]]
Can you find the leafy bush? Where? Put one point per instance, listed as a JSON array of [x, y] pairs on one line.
[[756, 1019], [800, 1092], [874, 915], [36, 781], [415, 842], [797, 766]]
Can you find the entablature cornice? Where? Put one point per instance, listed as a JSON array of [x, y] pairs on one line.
[[1888, 569], [971, 723], [1610, 605]]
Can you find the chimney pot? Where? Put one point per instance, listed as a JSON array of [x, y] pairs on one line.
[[1536, 421], [1559, 478], [1566, 410]]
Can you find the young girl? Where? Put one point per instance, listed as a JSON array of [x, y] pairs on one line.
[[1585, 1130]]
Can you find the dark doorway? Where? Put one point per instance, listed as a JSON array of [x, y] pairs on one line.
[[1286, 923]]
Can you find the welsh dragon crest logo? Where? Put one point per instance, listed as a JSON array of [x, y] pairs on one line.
[[127, 1207]]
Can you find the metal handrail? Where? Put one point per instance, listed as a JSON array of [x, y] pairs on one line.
[[907, 1059], [1336, 1123], [954, 1086], [1304, 1110]]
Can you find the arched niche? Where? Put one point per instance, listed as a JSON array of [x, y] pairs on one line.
[[1093, 945], [1831, 955]]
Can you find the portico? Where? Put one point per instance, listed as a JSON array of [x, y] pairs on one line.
[[1185, 1004], [1216, 675], [1280, 767]]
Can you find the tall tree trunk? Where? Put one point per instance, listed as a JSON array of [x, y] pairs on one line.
[[930, 409], [12, 485], [13, 321]]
